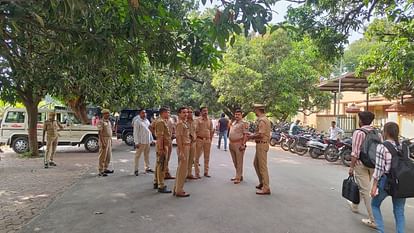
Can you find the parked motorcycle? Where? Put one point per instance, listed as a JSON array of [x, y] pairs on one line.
[[286, 140], [332, 152], [345, 152], [299, 144], [317, 147], [276, 137]]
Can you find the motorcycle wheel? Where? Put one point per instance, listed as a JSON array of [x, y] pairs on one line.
[[292, 147], [313, 153], [301, 151], [284, 145], [273, 142], [346, 157], [331, 154]]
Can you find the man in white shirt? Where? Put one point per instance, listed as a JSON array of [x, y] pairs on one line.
[[335, 132], [142, 140]]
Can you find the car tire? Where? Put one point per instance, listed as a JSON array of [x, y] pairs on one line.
[[129, 139], [20, 145], [92, 144]]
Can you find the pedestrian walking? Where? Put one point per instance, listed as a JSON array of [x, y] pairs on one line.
[[50, 130], [204, 133], [163, 134], [105, 143], [261, 137], [191, 157], [142, 140], [382, 169], [238, 136], [183, 152], [362, 173], [223, 127]]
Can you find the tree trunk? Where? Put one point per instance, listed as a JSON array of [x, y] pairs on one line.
[[32, 111], [78, 106]]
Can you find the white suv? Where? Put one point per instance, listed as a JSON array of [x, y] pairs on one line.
[[14, 130]]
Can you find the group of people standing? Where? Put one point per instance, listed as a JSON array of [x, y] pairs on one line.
[[194, 138]]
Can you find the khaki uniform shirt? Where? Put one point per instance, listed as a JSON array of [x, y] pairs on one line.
[[237, 130], [204, 128], [105, 127], [192, 125], [51, 128], [183, 130], [162, 130], [264, 127]]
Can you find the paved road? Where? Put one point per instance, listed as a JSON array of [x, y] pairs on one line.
[[306, 199]]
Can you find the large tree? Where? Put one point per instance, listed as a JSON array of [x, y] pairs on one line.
[[392, 59], [273, 70]]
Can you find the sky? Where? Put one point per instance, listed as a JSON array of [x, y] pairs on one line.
[[281, 9]]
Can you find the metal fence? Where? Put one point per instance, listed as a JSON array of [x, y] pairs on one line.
[[347, 123]]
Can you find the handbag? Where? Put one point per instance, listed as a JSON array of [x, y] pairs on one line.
[[350, 190]]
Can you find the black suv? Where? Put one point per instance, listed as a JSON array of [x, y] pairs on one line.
[[124, 129]]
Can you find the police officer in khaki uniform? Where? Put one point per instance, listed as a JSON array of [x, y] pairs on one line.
[[239, 131], [171, 126], [191, 124], [183, 152], [51, 127], [105, 143], [204, 133], [163, 135], [261, 137]]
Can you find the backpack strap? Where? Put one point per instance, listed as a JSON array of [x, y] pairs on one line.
[[390, 148]]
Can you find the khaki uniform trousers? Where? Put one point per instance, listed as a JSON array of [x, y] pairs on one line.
[[260, 164], [237, 157], [203, 146], [191, 158], [51, 145], [143, 148], [363, 176], [159, 173], [181, 174], [167, 159], [105, 153]]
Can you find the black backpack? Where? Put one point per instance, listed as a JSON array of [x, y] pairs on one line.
[[369, 147], [400, 180]]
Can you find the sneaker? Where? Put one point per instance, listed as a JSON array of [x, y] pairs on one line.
[[102, 174], [353, 207], [369, 223], [46, 165], [136, 173], [149, 170], [51, 163], [108, 171]]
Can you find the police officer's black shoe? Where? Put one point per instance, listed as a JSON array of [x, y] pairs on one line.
[[136, 173], [164, 190], [51, 163], [149, 170], [108, 171], [155, 186]]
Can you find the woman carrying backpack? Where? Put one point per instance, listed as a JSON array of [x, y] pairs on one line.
[[382, 168]]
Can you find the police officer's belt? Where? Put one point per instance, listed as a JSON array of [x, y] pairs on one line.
[[237, 141]]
